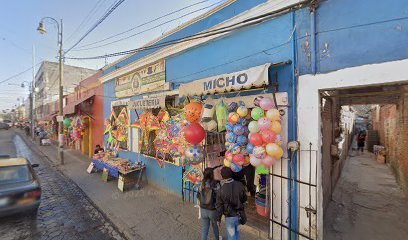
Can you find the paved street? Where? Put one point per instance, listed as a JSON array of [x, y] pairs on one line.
[[65, 212]]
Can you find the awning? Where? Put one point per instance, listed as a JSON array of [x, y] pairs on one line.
[[148, 103], [250, 78], [70, 108]]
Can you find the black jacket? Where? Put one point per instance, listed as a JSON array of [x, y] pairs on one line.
[[230, 199]]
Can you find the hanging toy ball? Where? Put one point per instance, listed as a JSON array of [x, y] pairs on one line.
[[235, 167], [257, 113], [255, 161], [232, 107], [236, 149], [259, 152], [242, 140], [194, 155], [257, 100], [268, 136], [276, 127], [227, 163], [194, 133], [264, 124], [231, 137], [229, 127], [67, 122], [242, 110], [233, 118], [229, 145], [267, 103], [228, 155], [239, 129], [268, 161], [193, 112], [273, 114], [250, 148], [253, 127], [274, 150], [239, 159], [256, 139]]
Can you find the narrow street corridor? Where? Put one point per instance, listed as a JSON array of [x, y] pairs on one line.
[[367, 203]]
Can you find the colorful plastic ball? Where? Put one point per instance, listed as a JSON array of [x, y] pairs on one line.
[[257, 113], [232, 107], [242, 111], [231, 137], [229, 145], [244, 150], [268, 136], [233, 118], [67, 122], [243, 122], [274, 150], [262, 170], [236, 149], [239, 129], [194, 155], [227, 163], [276, 127], [273, 114], [259, 152], [257, 100], [194, 133], [235, 167], [229, 127], [264, 124], [256, 139], [267, 103], [255, 161], [242, 140], [268, 161], [239, 159], [193, 112], [250, 148], [253, 127]]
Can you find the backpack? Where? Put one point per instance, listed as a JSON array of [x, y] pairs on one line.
[[207, 197]]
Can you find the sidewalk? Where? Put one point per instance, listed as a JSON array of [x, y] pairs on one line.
[[149, 213]]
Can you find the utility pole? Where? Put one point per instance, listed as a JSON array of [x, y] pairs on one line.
[[32, 92]]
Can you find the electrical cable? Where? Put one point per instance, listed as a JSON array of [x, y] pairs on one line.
[[81, 48], [18, 74], [115, 5]]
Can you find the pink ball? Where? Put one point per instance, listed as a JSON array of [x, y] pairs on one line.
[[264, 124], [268, 136], [267, 103], [255, 161], [239, 159], [268, 161]]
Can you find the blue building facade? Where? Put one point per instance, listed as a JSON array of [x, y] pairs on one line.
[[311, 39]]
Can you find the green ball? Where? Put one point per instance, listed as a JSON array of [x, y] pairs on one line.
[[67, 122], [257, 113], [262, 170]]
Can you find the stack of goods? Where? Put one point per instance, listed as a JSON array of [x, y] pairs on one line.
[[265, 141], [261, 199], [236, 155], [104, 155]]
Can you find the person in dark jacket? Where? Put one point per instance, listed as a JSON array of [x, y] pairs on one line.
[[207, 197], [230, 203]]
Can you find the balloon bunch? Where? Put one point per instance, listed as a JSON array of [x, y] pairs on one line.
[[236, 155], [264, 139], [194, 133]]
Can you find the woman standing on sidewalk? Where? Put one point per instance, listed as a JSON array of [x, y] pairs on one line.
[[207, 197]]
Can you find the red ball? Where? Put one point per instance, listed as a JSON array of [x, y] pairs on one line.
[[194, 133], [256, 139], [268, 136]]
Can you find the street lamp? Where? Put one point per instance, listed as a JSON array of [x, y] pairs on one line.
[[41, 29]]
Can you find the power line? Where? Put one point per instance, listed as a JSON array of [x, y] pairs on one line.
[[151, 21], [16, 75], [115, 5]]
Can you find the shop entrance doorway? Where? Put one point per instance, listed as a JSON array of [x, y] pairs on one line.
[[86, 142]]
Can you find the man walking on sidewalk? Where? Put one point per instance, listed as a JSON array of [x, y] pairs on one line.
[[230, 203]]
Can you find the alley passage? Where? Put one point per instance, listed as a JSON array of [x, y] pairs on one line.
[[367, 203]]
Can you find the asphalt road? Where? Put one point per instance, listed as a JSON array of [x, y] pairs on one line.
[[64, 213]]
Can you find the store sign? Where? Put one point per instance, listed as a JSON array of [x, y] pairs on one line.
[[253, 77], [147, 103], [147, 79]]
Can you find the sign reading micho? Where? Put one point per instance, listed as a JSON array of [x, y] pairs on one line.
[[146, 79]]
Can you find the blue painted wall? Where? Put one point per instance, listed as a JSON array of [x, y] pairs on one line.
[[352, 33], [232, 10]]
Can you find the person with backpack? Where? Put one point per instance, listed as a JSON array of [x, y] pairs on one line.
[[207, 197], [230, 203]]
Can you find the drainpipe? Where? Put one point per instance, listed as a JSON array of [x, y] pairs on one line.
[[313, 53]]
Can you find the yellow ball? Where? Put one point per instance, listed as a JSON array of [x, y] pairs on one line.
[[227, 163], [274, 150], [273, 115], [276, 127]]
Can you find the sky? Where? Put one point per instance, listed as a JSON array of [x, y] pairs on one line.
[[18, 36]]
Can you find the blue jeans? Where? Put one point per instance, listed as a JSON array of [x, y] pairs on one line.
[[232, 224], [207, 217]]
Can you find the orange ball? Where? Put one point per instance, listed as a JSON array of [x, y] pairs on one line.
[[193, 112], [276, 127]]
